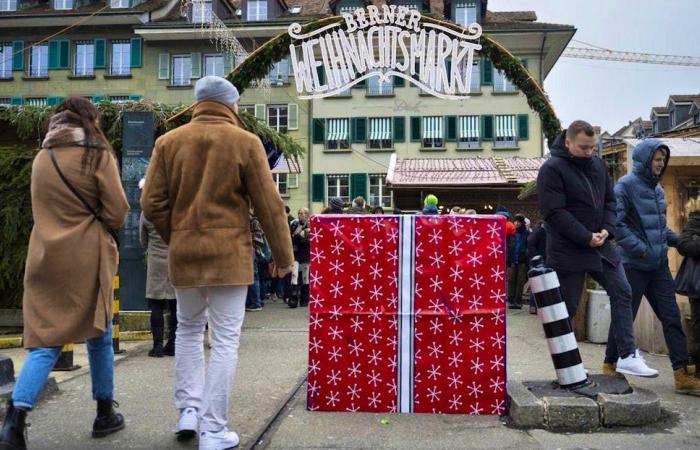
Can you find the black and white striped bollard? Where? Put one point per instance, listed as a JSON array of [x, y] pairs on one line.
[[552, 311]]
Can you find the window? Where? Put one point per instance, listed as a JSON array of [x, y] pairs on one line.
[[8, 5], [5, 60], [505, 134], [281, 182], [62, 4], [257, 10], [432, 136], [202, 11], [376, 87], [379, 195], [5, 101], [338, 134], [380, 134], [119, 4], [39, 61], [35, 101], [279, 74], [214, 65], [465, 14], [118, 98], [277, 117], [696, 118], [84, 64], [468, 132], [182, 70], [121, 58], [475, 85], [501, 83], [346, 9], [338, 186], [672, 118], [250, 109]]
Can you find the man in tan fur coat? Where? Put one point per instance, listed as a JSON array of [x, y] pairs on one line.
[[201, 181]]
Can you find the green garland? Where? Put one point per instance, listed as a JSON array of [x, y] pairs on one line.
[[259, 63]]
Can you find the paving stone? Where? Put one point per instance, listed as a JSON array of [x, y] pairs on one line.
[[571, 413], [526, 410], [638, 408]]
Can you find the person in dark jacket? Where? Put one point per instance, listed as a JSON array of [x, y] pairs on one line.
[[301, 233], [517, 263], [643, 239], [335, 206], [689, 246], [536, 245], [577, 202]]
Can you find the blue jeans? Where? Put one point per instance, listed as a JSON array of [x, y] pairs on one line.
[[40, 362], [658, 288], [253, 297], [614, 281]]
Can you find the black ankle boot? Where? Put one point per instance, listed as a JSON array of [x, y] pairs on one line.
[[107, 421], [304, 297], [14, 429], [157, 350], [169, 348], [293, 301]]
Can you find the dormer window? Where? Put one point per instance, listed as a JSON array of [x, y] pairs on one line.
[[202, 11], [465, 13], [62, 4], [348, 6], [8, 5], [257, 10], [295, 10], [118, 4]]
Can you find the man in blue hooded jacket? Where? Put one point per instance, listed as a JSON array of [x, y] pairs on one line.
[[643, 239]]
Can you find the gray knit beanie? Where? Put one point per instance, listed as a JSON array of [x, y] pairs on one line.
[[216, 89], [337, 203]]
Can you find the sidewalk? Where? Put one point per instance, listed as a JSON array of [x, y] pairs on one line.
[[272, 364]]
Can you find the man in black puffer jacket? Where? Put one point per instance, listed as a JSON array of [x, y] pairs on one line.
[[578, 205]]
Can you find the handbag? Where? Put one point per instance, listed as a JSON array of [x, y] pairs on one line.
[[80, 197], [688, 277]]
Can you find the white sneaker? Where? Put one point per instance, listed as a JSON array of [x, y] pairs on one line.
[[636, 366], [220, 440], [187, 424]]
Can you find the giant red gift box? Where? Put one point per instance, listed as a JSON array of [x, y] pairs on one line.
[[407, 314]]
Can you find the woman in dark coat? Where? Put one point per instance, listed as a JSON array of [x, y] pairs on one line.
[[689, 246]]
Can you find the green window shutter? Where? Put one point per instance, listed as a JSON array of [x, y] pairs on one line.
[[415, 129], [18, 55], [196, 61], [399, 129], [319, 132], [134, 98], [64, 54], [451, 128], [229, 62], [399, 82], [16, 101], [54, 101], [486, 71], [358, 185], [359, 130], [136, 52], [261, 112], [164, 66], [523, 127], [487, 128], [53, 55], [292, 116], [98, 99], [100, 53], [318, 186]]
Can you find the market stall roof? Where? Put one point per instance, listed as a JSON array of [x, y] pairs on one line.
[[684, 151]]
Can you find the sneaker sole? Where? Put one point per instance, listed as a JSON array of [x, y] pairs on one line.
[[185, 435], [627, 372], [104, 433]]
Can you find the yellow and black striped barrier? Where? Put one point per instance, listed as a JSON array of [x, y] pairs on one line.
[[115, 317], [65, 360]]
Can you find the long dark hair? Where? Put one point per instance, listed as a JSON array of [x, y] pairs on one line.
[[95, 140]]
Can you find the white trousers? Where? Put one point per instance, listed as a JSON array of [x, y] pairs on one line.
[[304, 269], [224, 307]]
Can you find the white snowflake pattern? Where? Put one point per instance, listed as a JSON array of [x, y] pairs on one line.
[[393, 235], [475, 389], [434, 394], [337, 267], [498, 296], [456, 401], [376, 293], [337, 228], [419, 249], [475, 302], [437, 260], [456, 273], [393, 388], [418, 335], [357, 281], [476, 344], [374, 401], [394, 257], [354, 369], [497, 317], [455, 380], [356, 348], [375, 271], [392, 364], [493, 230], [473, 236], [315, 235], [498, 341], [357, 235], [377, 224], [497, 362], [393, 342], [356, 303], [332, 399], [455, 224], [315, 301], [477, 281], [314, 388], [456, 338], [375, 336], [335, 354], [394, 280], [393, 323], [435, 237], [315, 279], [476, 324], [436, 326], [477, 366], [436, 350], [335, 333], [317, 256], [436, 304], [336, 289], [352, 408], [375, 358], [474, 259], [419, 269], [376, 314], [314, 367], [455, 248], [356, 324], [315, 321], [315, 345], [497, 385], [495, 249], [336, 312], [434, 372], [354, 392], [393, 301], [337, 248], [475, 410], [376, 246], [358, 258], [497, 274], [456, 294], [334, 377], [436, 283], [455, 359], [374, 378], [498, 407]]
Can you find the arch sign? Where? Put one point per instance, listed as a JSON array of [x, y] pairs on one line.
[[393, 41]]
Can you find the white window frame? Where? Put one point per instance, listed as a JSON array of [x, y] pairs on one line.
[[430, 137], [5, 101], [120, 60], [346, 9], [337, 134], [282, 183], [119, 99], [377, 89], [468, 132], [505, 133], [465, 13], [218, 60], [278, 117], [6, 54], [501, 83], [279, 74], [381, 133], [335, 185], [377, 182], [202, 11], [257, 13], [39, 61], [185, 77], [63, 4], [8, 5], [36, 101], [475, 85], [119, 4], [84, 59]]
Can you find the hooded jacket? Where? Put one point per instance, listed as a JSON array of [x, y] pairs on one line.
[[642, 233], [576, 199]]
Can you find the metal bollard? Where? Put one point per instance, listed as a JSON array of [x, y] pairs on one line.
[[65, 360], [115, 317], [554, 316]]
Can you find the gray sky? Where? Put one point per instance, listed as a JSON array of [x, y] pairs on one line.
[[609, 93]]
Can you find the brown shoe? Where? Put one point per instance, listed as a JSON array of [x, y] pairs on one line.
[[685, 383], [609, 370]]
